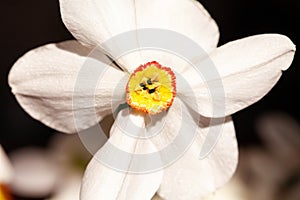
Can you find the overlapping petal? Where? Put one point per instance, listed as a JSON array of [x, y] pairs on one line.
[[246, 70], [44, 83], [193, 178], [109, 174], [180, 142]]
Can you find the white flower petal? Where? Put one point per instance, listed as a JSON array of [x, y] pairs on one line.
[[46, 82], [194, 178], [186, 17], [248, 69], [103, 180], [6, 170], [176, 132], [133, 60], [93, 23], [186, 133]]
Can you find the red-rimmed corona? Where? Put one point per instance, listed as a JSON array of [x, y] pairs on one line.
[[151, 88]]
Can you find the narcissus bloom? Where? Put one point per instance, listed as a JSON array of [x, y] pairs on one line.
[[44, 81]]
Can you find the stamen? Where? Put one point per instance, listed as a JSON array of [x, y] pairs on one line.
[[151, 91]]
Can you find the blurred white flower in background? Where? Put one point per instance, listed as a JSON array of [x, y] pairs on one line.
[[35, 172], [54, 172], [270, 171], [280, 134], [72, 158], [6, 175]]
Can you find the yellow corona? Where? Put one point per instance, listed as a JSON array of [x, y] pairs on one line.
[[151, 88]]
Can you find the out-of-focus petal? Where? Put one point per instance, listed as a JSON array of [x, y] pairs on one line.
[[109, 176], [54, 81], [281, 136], [36, 174], [193, 178], [69, 188], [94, 23], [6, 169], [242, 72]]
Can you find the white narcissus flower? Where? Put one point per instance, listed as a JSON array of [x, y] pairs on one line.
[[43, 82]]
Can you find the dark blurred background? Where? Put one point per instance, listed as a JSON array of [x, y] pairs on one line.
[[31, 23]]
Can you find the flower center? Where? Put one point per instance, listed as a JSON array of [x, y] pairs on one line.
[[151, 88]]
